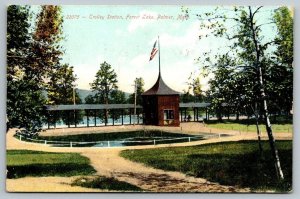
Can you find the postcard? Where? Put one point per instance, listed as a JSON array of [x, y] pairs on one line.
[[141, 98]]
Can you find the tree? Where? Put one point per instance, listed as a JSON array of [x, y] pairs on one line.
[[117, 97], [60, 90], [43, 51], [90, 99], [104, 84], [24, 94], [186, 97], [223, 85], [139, 90], [250, 51], [195, 86], [61, 85], [280, 68]]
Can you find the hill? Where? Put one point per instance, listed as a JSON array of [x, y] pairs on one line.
[[84, 93]]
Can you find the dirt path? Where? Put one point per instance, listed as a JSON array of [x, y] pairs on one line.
[[107, 162]]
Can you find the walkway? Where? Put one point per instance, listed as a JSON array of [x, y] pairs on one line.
[[107, 162]]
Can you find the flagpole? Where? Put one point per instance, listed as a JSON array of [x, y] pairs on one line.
[[158, 56]]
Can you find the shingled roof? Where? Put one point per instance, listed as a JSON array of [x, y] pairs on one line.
[[160, 88]]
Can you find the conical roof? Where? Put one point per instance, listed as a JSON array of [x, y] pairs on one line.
[[160, 88]]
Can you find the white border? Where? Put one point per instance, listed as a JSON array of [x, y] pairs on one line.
[[296, 164]]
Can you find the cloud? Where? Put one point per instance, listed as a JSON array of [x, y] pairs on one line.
[[140, 22], [140, 61], [186, 43], [86, 72]]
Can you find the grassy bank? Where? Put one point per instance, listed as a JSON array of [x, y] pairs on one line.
[[245, 125], [21, 163], [232, 163], [101, 182]]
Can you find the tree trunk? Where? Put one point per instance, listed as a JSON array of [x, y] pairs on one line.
[[257, 129], [270, 132], [263, 96], [106, 110], [237, 115]]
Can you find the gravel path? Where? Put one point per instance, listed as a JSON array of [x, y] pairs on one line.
[[107, 162]]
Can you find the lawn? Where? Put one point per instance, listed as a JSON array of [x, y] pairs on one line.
[[101, 182], [228, 163], [243, 125], [21, 163]]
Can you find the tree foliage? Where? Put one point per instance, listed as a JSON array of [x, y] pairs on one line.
[[61, 90], [24, 92], [139, 90], [104, 84], [33, 65], [61, 86], [243, 74]]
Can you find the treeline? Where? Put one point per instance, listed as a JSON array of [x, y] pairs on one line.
[[34, 64], [252, 67], [37, 76]]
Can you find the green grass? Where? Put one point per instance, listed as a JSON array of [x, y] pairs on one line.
[[101, 182], [21, 163], [228, 163], [242, 125]]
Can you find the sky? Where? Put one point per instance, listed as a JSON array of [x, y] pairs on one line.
[[123, 36]]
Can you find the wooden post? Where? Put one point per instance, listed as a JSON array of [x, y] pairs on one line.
[[75, 118], [95, 116], [113, 117], [54, 116], [69, 119], [105, 117], [129, 116], [48, 119], [87, 118], [122, 116], [194, 114]]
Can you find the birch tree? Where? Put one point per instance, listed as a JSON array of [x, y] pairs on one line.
[[242, 28]]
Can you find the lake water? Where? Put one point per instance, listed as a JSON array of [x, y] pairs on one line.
[[99, 122]]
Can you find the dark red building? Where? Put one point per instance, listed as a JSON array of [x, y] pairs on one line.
[[161, 105]]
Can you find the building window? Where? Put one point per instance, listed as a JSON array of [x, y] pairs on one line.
[[168, 114]]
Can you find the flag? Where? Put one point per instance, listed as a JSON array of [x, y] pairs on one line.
[[154, 51]]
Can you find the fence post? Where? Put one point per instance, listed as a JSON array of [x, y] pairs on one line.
[[45, 141], [154, 142], [71, 144], [108, 144], [20, 137], [189, 139]]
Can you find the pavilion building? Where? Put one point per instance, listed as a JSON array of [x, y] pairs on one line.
[[161, 105]]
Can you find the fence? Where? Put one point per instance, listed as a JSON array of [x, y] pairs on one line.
[[118, 143]]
